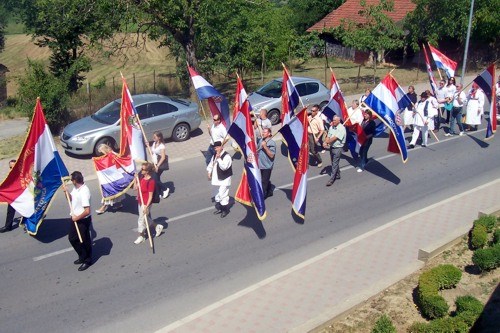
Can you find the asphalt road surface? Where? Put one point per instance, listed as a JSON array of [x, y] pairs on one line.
[[202, 258]]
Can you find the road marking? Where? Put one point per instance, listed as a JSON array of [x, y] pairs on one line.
[[199, 211], [312, 260], [52, 254]]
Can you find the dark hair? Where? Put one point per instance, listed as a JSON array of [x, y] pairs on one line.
[[159, 135], [316, 106], [12, 161], [148, 167], [77, 177]]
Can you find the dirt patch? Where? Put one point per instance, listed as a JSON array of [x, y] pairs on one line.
[[398, 301]]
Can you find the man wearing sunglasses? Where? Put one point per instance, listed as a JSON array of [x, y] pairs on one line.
[[217, 132]]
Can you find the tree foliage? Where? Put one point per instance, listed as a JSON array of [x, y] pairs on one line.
[[375, 33], [307, 12], [3, 24], [69, 28]]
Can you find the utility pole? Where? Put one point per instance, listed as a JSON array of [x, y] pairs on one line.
[[467, 41]]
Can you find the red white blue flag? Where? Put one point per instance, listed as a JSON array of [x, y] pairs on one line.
[[216, 101], [131, 137], [386, 100], [115, 174], [38, 173], [295, 135], [486, 81], [336, 105], [430, 73], [289, 97], [240, 97], [443, 62], [250, 189]]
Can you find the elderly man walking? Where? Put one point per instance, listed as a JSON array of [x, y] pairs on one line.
[[335, 140]]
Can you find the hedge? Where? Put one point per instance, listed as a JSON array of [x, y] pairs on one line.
[[431, 304], [384, 325], [479, 236], [496, 236], [488, 258], [488, 221]]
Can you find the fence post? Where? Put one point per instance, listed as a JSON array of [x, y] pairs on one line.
[[89, 97], [359, 73], [154, 80], [134, 85]]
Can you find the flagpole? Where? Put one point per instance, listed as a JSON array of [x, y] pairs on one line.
[[145, 215], [71, 211]]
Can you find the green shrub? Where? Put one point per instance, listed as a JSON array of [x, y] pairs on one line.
[[418, 328], [488, 258], [384, 325], [468, 303], [496, 236], [448, 324], [488, 221], [479, 236], [431, 304]]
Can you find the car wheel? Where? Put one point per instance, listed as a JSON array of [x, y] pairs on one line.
[[274, 116], [107, 141], [181, 132]]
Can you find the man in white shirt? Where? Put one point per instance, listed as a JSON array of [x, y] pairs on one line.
[[217, 132], [459, 99], [441, 95], [262, 122], [423, 114], [355, 113], [219, 172], [81, 219]]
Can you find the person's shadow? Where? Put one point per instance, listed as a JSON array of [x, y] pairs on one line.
[[296, 218], [101, 247], [480, 142], [52, 229], [378, 169]]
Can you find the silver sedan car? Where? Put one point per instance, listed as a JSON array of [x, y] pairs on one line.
[[175, 118], [311, 91]]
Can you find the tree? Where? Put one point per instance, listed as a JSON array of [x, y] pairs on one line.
[[3, 25], [69, 28], [307, 12], [377, 33]]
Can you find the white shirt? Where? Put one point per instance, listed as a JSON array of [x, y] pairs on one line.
[[80, 198], [441, 94], [355, 115], [224, 164], [156, 150], [456, 102], [218, 133]]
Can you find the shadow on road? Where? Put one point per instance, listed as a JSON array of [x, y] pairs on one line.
[[378, 169], [52, 229], [101, 247], [252, 221], [479, 142]]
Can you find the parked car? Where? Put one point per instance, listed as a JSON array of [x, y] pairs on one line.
[[175, 118], [268, 97]]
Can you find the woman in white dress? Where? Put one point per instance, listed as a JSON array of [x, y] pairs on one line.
[[475, 104], [159, 157]]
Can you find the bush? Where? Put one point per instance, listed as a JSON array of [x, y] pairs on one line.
[[487, 259], [37, 82], [496, 236], [468, 303], [384, 325], [479, 236], [488, 221], [441, 325], [432, 305]]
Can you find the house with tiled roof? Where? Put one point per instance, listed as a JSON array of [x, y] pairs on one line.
[[349, 10]]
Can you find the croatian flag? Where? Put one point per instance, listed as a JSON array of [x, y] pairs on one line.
[[292, 136], [355, 138], [216, 101], [443, 62], [336, 105], [250, 188], [386, 100], [432, 80], [289, 97], [486, 81], [115, 174], [131, 138], [295, 135], [39, 171], [240, 97]]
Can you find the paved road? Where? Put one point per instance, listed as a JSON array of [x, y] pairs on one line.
[[202, 258]]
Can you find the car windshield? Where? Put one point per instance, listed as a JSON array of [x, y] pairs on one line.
[[271, 89], [109, 114]]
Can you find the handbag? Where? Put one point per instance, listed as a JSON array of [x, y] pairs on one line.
[[164, 165]]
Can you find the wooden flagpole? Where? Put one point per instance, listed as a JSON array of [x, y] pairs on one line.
[[145, 215], [71, 210]]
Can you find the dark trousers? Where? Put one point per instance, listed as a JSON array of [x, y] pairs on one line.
[[156, 178], [266, 181], [9, 219], [84, 250], [312, 148], [456, 116], [335, 154], [363, 154], [210, 153]]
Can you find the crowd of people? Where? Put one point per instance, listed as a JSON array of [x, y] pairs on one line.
[[450, 108]]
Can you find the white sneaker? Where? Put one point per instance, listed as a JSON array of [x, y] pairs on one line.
[[448, 134], [461, 133], [320, 165], [139, 240], [158, 229], [359, 170], [165, 193]]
